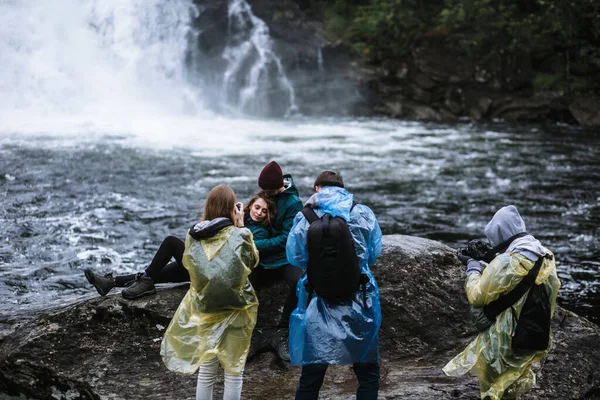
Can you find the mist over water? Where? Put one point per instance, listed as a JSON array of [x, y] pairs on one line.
[[94, 60], [107, 146]]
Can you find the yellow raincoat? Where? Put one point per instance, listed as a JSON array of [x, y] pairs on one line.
[[502, 372], [217, 315]]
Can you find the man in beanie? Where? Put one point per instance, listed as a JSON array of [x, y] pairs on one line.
[[273, 265]]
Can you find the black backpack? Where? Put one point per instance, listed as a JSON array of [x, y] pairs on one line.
[[532, 331], [333, 270]]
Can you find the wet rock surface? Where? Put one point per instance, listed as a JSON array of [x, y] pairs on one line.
[[108, 347]]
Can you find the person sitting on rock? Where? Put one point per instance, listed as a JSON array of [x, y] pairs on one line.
[[213, 323], [259, 216], [504, 371], [327, 331], [273, 265], [259, 213]]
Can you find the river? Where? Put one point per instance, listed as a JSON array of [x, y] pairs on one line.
[[105, 199], [109, 142]]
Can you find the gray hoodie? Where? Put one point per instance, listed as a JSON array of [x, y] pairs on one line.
[[506, 223]]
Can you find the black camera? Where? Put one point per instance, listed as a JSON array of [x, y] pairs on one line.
[[476, 249]]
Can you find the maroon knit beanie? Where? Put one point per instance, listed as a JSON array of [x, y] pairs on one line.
[[271, 177]]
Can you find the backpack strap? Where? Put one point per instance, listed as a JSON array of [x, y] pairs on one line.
[[309, 214], [309, 290], [491, 254], [505, 301]]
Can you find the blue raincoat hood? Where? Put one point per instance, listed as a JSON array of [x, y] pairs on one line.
[[333, 200]]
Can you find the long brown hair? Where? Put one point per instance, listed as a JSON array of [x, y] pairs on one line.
[[219, 203], [271, 208]]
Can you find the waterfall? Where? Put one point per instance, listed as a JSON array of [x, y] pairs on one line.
[[320, 65], [101, 58], [253, 68], [237, 67], [114, 59]]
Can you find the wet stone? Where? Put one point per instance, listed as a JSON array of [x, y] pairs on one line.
[[107, 347]]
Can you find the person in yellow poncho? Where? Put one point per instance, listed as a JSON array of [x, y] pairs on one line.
[[504, 373], [213, 324]]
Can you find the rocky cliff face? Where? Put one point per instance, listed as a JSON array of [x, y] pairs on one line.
[[323, 80], [444, 80], [108, 347], [441, 80]]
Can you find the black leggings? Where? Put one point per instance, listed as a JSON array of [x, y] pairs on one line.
[[161, 270], [262, 277]]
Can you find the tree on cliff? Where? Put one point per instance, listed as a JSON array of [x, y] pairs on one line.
[[562, 36]]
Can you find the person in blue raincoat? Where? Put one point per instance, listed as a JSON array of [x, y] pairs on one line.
[[321, 332]]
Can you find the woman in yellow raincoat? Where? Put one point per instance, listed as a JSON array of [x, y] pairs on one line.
[[504, 373], [214, 322]]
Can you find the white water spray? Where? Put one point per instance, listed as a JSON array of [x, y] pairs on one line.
[[250, 44], [320, 65], [119, 67], [97, 58]]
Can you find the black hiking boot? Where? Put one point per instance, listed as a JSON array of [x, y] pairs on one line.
[[142, 286], [103, 284], [258, 344], [280, 343]]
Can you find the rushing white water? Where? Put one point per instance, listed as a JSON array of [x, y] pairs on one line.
[[93, 59], [250, 43], [320, 65], [115, 66]]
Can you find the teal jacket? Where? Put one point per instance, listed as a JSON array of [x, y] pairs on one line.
[[272, 250], [258, 231]]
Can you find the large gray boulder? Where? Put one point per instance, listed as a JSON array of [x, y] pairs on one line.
[[108, 347]]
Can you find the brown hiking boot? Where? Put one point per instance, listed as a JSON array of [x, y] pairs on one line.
[[103, 284], [142, 286]]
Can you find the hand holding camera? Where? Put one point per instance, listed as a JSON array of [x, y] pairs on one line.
[[239, 214], [476, 249], [463, 256], [470, 256]]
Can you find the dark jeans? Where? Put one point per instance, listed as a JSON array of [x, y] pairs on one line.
[[261, 277], [312, 377], [161, 270]]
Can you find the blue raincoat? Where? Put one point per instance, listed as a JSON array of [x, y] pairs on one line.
[[340, 333]]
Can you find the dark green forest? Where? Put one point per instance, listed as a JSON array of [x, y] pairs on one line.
[[562, 37]]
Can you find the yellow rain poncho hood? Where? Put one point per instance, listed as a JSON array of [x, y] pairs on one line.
[[218, 313], [503, 372]]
